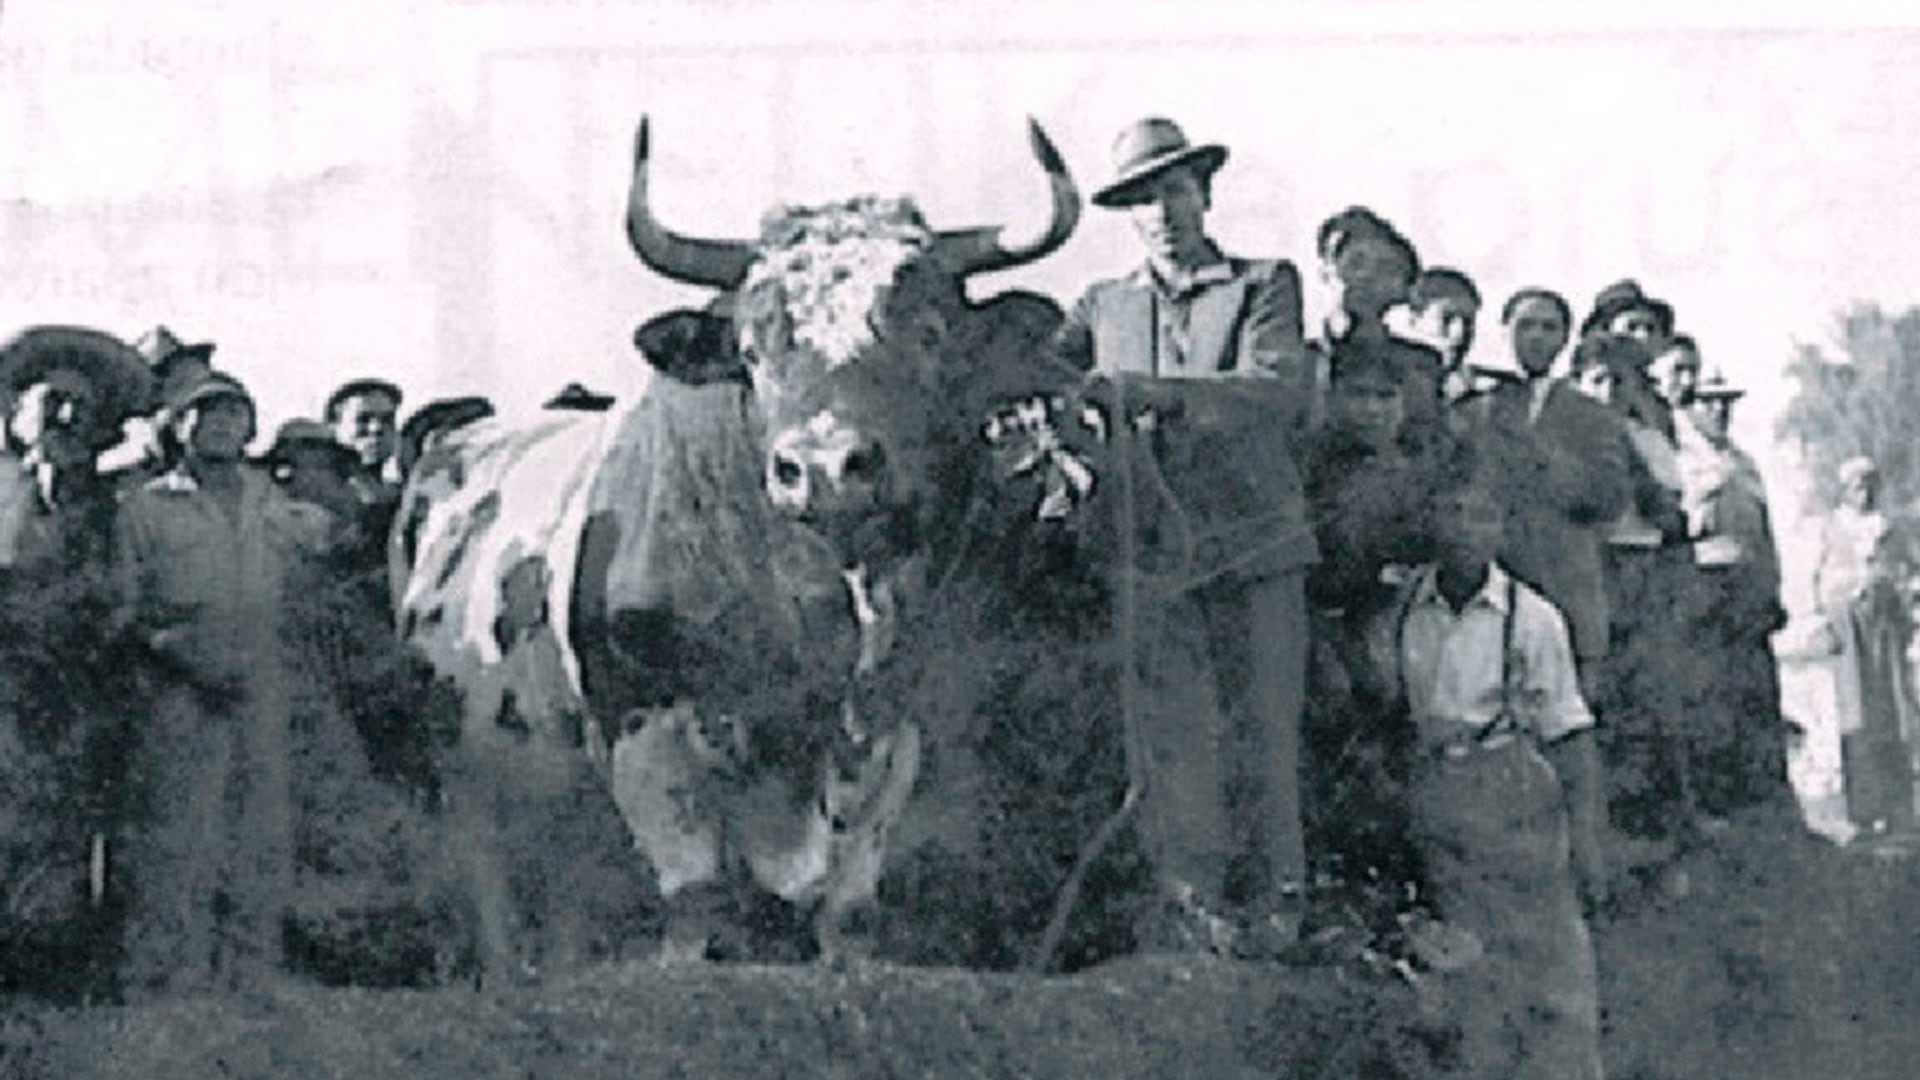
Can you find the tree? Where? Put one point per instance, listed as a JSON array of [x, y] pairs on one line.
[[1866, 400]]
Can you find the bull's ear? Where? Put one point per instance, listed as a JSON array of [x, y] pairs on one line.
[[690, 346]]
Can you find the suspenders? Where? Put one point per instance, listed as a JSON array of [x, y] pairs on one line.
[[1505, 722]]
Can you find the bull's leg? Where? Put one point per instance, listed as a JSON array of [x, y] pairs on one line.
[[662, 789], [863, 814]]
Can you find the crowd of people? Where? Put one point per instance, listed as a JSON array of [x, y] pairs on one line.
[[1505, 639], [187, 622], [1496, 626]]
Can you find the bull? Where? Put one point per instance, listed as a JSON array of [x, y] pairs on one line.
[[686, 596]]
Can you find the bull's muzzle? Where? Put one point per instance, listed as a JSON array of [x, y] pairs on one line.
[[831, 475]]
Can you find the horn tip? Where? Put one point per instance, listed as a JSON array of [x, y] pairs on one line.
[[1043, 148], [640, 141]]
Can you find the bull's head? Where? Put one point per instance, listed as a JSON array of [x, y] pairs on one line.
[[846, 317]]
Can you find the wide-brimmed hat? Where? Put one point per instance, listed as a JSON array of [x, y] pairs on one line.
[[578, 398], [118, 374], [1715, 386], [1146, 149], [162, 348], [300, 432], [1621, 297]]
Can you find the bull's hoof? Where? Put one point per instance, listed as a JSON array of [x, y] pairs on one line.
[[845, 939]]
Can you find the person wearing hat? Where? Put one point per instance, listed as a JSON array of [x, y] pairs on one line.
[[1372, 267], [174, 363], [1652, 675], [1738, 748], [203, 554], [173, 366], [1860, 583], [1624, 308], [1444, 304], [66, 389], [1206, 348], [312, 466]]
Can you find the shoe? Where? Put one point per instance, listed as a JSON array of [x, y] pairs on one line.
[[1185, 925]]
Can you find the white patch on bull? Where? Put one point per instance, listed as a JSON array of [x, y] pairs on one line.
[[657, 782], [541, 476], [878, 615], [831, 266]]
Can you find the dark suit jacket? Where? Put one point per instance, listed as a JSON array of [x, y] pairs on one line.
[[1566, 476], [1236, 405]]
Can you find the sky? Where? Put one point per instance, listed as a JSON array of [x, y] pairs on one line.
[[434, 191]]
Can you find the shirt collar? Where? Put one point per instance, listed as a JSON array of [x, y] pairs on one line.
[[1211, 273], [1493, 592]]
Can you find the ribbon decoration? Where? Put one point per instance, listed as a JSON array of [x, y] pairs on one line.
[[1028, 432]]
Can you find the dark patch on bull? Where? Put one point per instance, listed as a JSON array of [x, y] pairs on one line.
[[523, 602], [692, 347], [484, 514]]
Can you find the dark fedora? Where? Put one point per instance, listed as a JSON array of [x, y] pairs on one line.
[[118, 374], [1621, 297], [577, 398], [1148, 148]]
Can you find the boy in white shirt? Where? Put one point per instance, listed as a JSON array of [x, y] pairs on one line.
[[1505, 791]]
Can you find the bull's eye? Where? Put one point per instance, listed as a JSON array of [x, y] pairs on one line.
[[786, 471]]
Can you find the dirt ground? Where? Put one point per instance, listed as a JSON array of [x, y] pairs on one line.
[[1757, 957]]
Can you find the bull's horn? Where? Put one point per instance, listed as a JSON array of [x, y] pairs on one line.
[[721, 264], [973, 251]]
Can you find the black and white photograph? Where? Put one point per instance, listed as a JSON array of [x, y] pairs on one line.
[[884, 538]]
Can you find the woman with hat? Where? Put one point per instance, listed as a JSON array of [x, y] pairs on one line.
[[1209, 347], [1860, 583], [203, 556]]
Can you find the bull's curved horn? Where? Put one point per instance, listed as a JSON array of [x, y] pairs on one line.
[[721, 264], [973, 251]]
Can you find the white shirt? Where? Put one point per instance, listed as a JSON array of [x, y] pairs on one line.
[[1537, 391], [1451, 665]]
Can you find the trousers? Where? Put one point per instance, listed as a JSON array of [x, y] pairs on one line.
[[1223, 671]]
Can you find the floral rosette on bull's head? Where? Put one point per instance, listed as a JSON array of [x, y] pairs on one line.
[[1052, 441]]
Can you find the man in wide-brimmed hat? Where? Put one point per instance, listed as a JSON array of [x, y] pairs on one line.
[[67, 389], [204, 554], [172, 366], [1209, 346]]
